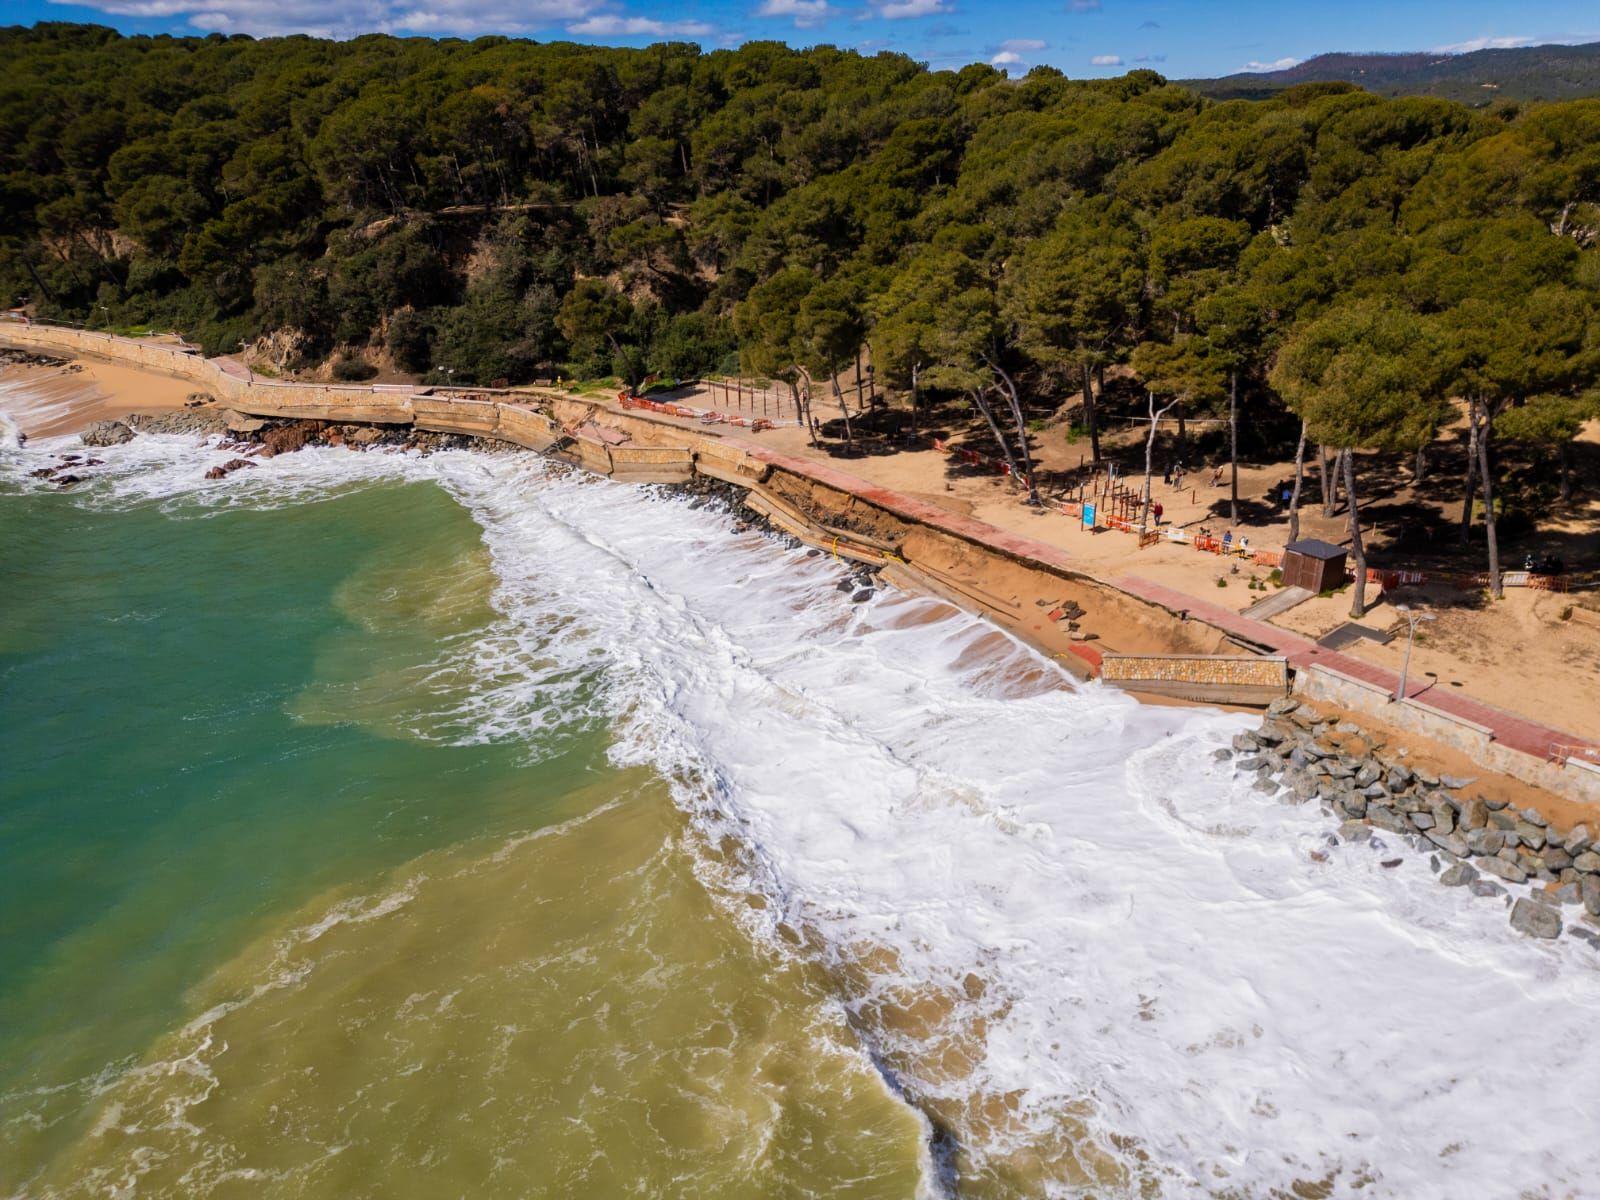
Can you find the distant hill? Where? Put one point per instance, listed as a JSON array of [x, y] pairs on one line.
[[1477, 78]]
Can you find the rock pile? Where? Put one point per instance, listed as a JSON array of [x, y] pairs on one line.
[[1474, 841], [228, 468], [22, 358], [106, 433], [65, 473], [199, 420]]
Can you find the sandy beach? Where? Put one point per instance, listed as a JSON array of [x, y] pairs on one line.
[[45, 401]]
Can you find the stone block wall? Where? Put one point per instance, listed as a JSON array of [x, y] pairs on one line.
[[1213, 670]]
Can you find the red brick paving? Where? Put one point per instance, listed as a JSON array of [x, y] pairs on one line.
[[1510, 730], [1519, 733]]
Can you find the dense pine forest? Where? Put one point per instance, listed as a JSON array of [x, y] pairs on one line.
[[495, 210]]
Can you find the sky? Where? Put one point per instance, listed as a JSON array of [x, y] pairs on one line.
[[1084, 38]]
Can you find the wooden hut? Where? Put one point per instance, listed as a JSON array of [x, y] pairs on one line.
[[1314, 565]]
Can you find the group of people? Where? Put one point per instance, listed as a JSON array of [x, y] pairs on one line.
[[1230, 544], [1173, 476]]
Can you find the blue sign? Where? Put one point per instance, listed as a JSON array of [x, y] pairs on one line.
[[1088, 516]]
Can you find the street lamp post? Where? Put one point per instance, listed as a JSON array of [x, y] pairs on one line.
[[1412, 619]]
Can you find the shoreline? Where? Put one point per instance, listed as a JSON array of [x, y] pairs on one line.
[[1029, 588], [1509, 832]]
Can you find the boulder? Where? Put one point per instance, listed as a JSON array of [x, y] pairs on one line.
[[107, 433], [1530, 836], [1535, 920], [1455, 782], [1386, 818], [1282, 706], [1222, 754], [1485, 841], [1452, 842], [1534, 817], [1508, 871], [1458, 875], [1589, 890], [1567, 893], [1474, 813], [1577, 840], [1482, 887], [1245, 743], [237, 422], [1588, 862]]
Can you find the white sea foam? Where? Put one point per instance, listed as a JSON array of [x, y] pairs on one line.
[[1159, 952]]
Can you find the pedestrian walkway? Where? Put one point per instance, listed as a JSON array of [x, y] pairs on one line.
[[1509, 730], [1282, 602]]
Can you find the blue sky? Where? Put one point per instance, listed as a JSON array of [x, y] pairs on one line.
[[1179, 38]]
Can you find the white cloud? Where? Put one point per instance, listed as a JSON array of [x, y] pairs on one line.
[[1006, 58], [348, 18], [609, 25], [1483, 43], [1022, 45], [1106, 60], [1281, 64], [804, 13], [896, 10]]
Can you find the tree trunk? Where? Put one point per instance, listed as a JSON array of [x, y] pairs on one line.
[[1419, 466], [1358, 602], [1015, 403], [1183, 433], [1150, 458], [994, 428], [802, 400], [1564, 457], [1090, 417], [1472, 470], [1233, 447], [1328, 476], [1299, 478], [1496, 588], [916, 370], [849, 436]]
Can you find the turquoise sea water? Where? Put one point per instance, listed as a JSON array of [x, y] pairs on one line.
[[177, 769], [222, 726]]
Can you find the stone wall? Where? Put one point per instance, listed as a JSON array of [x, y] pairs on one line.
[[1241, 670]]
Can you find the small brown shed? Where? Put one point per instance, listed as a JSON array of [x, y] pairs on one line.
[[1314, 565]]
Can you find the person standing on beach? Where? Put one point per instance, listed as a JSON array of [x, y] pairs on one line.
[[1155, 511]]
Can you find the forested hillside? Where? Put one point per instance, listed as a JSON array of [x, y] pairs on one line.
[[493, 209], [1478, 77]]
